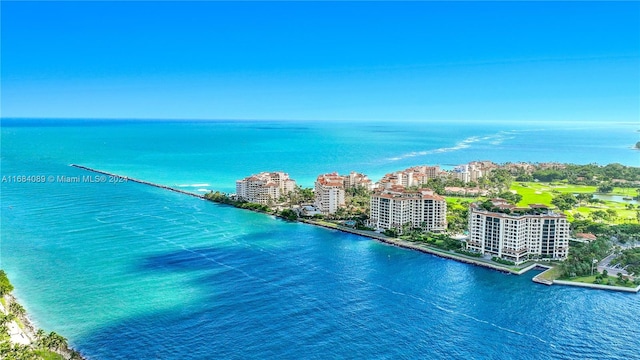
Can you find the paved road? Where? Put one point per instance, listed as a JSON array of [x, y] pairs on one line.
[[605, 265]]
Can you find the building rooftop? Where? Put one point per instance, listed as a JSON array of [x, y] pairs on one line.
[[586, 236], [501, 206], [399, 191]]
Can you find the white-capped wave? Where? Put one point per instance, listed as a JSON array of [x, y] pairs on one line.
[[193, 185], [495, 139]]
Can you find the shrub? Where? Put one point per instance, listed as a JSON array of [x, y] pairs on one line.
[[502, 261]]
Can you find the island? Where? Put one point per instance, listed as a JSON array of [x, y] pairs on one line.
[[589, 225]]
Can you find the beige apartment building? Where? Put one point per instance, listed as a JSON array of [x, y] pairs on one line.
[[513, 234], [395, 207], [264, 187], [330, 189], [329, 192]]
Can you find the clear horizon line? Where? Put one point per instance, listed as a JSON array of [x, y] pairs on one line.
[[174, 119]]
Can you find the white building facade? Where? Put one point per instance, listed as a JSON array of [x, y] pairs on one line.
[[396, 207], [355, 179], [329, 192], [516, 234], [265, 187]]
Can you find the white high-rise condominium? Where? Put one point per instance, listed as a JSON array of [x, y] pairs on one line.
[[513, 233], [264, 187], [329, 192], [396, 207]]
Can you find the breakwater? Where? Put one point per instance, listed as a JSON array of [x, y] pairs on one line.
[[116, 176]]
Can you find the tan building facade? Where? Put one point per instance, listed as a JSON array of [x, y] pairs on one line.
[[514, 234], [397, 207], [329, 192], [264, 187]]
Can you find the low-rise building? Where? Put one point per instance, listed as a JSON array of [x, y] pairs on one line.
[[265, 187], [309, 211], [511, 233], [396, 207], [459, 191]]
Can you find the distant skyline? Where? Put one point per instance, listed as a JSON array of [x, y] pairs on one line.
[[520, 61]]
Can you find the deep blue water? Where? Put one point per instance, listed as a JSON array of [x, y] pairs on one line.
[[126, 271]]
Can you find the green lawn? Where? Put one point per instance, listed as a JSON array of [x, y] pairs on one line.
[[326, 223], [592, 279], [48, 355], [542, 193], [460, 200], [585, 279], [551, 274]]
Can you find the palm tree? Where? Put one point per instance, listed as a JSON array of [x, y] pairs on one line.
[[6, 318], [24, 352], [55, 341], [41, 338], [16, 309]]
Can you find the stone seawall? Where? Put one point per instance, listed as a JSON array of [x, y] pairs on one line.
[[597, 286]]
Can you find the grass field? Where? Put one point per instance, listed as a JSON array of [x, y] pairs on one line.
[[551, 274], [542, 193], [460, 200], [592, 279], [49, 355]]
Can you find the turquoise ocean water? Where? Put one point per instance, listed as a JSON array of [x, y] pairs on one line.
[[126, 271]]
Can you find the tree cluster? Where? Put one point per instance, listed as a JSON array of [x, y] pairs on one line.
[[457, 217], [630, 259], [224, 199], [581, 258], [623, 233], [591, 174], [511, 197], [5, 284], [564, 201], [288, 215]]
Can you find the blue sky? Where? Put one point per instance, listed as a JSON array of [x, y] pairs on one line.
[[507, 61]]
